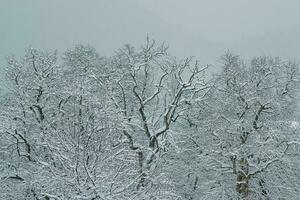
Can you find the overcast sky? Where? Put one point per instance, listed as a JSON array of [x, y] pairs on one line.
[[202, 28]]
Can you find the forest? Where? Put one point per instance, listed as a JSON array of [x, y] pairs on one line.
[[142, 124]]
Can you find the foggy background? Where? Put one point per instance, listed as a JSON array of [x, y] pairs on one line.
[[201, 28]]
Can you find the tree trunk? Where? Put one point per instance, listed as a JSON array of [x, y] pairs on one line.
[[242, 184]]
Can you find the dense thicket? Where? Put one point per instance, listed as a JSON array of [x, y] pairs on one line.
[[142, 124]]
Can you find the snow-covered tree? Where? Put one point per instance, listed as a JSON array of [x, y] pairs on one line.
[[142, 124], [150, 88], [26, 114], [245, 133]]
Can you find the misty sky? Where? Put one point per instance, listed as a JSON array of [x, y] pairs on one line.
[[202, 28]]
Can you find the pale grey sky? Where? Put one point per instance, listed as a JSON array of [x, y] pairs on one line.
[[202, 28]]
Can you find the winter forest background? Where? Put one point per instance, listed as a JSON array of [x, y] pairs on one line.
[[96, 109]]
